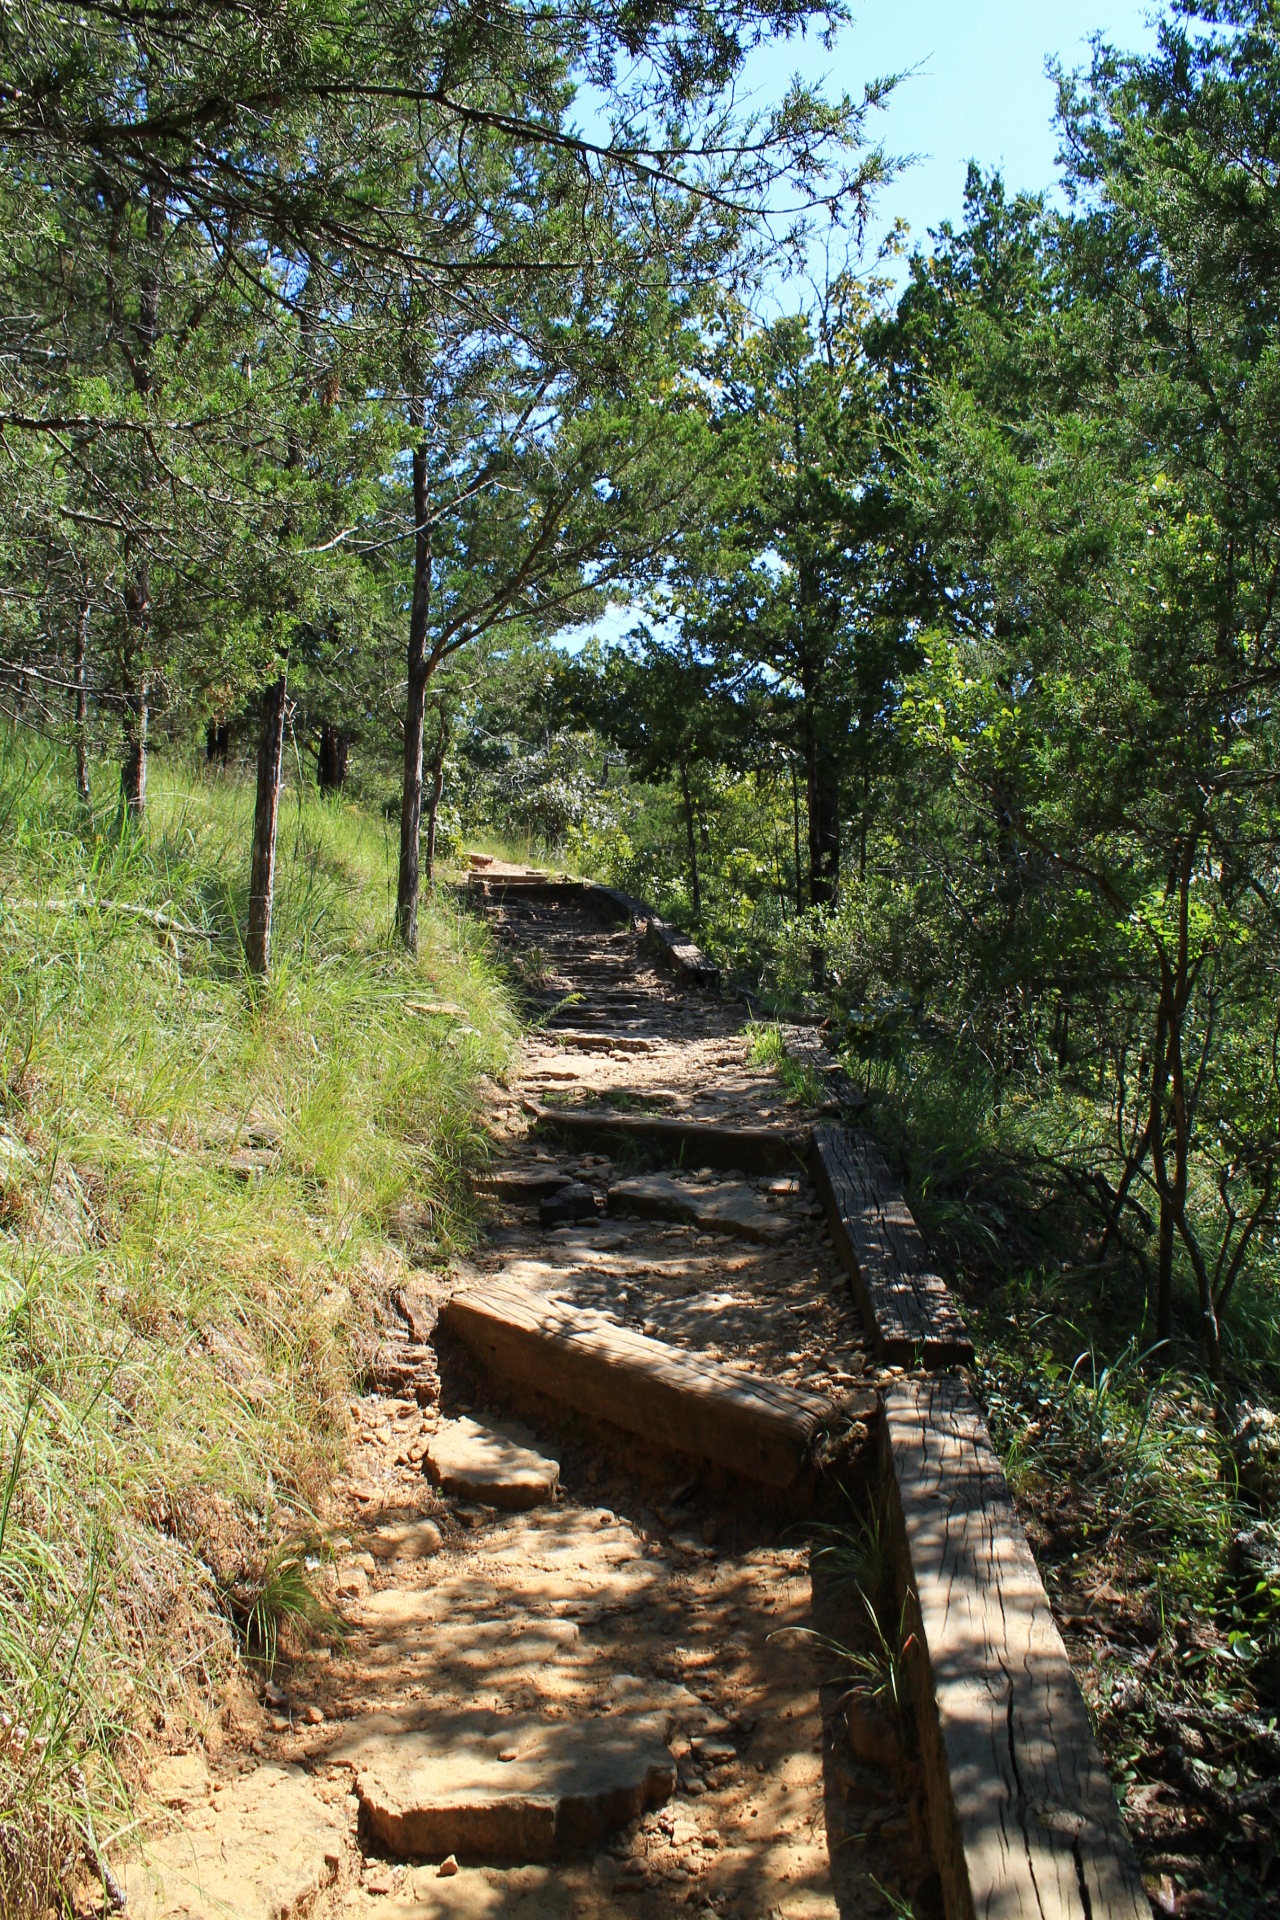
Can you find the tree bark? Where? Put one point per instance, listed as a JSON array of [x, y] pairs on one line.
[[137, 689], [331, 758], [824, 828], [433, 805], [795, 836], [133, 766], [266, 814], [407, 889], [82, 702], [694, 880]]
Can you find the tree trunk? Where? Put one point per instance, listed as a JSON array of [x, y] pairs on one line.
[[217, 742], [694, 881], [82, 702], [795, 836], [137, 690], [437, 789], [331, 758], [824, 828], [415, 705], [133, 766], [266, 813]]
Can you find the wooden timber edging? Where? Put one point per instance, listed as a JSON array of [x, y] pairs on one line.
[[697, 1143], [1022, 1816], [752, 1425], [1023, 1820], [806, 1046], [908, 1308]]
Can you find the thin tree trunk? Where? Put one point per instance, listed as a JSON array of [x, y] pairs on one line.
[[137, 689], [133, 766], [694, 880], [437, 788], [82, 702], [407, 888], [824, 829], [795, 836], [864, 823], [266, 814]]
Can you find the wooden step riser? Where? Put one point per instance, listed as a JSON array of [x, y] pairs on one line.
[[681, 1143], [672, 1399]]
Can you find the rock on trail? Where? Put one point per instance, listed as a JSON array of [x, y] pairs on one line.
[[260, 1848], [498, 1466], [500, 1787]]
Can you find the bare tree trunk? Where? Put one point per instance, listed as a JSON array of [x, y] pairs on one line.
[[407, 888], [137, 689], [331, 758], [824, 828], [133, 766], [82, 702], [266, 813], [437, 788], [795, 836], [694, 880]]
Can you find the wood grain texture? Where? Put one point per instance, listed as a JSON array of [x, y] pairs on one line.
[[754, 1426], [908, 1307], [1024, 1822]]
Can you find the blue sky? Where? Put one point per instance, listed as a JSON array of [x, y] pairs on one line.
[[978, 91]]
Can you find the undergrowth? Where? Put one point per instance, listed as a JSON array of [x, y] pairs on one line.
[[1151, 1494], [203, 1186]]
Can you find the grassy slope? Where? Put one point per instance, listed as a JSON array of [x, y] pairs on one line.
[[176, 1344]]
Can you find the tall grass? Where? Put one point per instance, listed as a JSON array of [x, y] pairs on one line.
[[176, 1340]]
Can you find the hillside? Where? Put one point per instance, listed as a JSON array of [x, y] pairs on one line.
[[206, 1193]]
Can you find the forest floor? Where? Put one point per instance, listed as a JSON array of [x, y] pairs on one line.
[[645, 1607]]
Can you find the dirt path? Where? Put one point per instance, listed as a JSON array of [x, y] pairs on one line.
[[631, 1619]]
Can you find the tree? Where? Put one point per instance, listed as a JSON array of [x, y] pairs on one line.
[[657, 703], [1096, 470], [786, 582]]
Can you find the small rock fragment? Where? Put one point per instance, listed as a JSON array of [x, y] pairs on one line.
[[448, 1866]]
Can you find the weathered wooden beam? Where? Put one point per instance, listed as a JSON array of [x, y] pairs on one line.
[[908, 1307], [754, 1426], [1023, 1820]]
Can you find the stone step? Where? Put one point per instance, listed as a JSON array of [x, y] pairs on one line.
[[263, 1846], [497, 1786], [497, 1465], [732, 1208], [751, 1425]]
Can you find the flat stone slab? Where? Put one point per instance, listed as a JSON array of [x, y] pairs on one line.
[[263, 1848], [498, 1786], [496, 1465], [733, 1208]]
